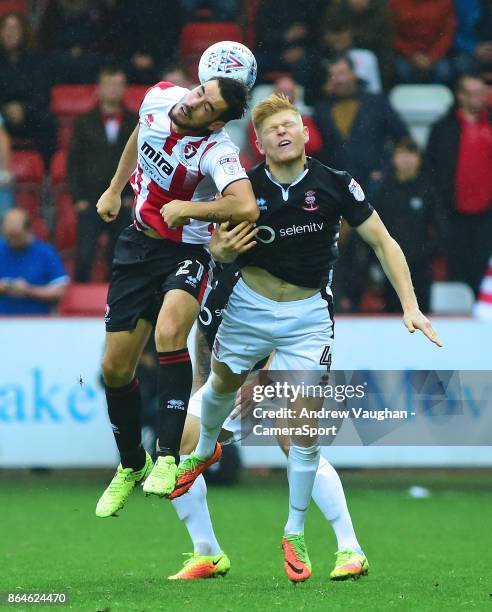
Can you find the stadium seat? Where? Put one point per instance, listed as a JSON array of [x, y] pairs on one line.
[[65, 236], [84, 299], [68, 101], [28, 167], [18, 6], [196, 36], [58, 168], [420, 106], [133, 97], [28, 170], [451, 298]]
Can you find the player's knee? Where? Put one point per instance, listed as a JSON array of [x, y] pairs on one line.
[[116, 372], [170, 336]]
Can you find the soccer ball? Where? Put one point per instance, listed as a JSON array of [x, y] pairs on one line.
[[228, 59]]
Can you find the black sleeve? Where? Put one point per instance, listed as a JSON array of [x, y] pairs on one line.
[[354, 206]]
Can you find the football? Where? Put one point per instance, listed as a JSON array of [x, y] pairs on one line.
[[228, 59]]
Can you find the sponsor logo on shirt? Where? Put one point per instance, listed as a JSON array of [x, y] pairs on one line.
[[267, 234], [174, 404], [163, 167], [356, 190]]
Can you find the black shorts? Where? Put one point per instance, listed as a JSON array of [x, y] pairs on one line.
[[144, 269]]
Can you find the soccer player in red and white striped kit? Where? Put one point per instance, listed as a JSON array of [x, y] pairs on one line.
[[178, 157]]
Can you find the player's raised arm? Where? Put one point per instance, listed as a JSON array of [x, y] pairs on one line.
[[237, 204], [109, 204], [389, 253]]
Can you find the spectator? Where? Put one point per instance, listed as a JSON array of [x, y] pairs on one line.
[[220, 10], [459, 156], [145, 39], [98, 140], [371, 28], [6, 195], [405, 203], [174, 73], [72, 32], [337, 39], [355, 125], [473, 38], [286, 86], [32, 277], [24, 88], [285, 34], [423, 37]]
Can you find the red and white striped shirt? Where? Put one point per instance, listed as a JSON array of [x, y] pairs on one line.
[[173, 166]]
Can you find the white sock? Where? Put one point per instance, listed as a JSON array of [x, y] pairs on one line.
[[192, 509], [216, 407], [329, 497], [302, 464]]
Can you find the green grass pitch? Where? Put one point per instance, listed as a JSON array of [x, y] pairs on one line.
[[425, 554]]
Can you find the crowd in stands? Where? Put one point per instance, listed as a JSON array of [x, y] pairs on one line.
[[73, 72]]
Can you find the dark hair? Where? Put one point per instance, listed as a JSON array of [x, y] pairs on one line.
[[110, 71], [408, 144], [336, 58], [235, 95]]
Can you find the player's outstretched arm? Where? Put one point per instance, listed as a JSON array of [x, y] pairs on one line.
[[396, 269], [109, 204], [226, 244], [237, 204]]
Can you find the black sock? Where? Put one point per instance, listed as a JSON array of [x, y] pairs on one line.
[[174, 387], [124, 410]]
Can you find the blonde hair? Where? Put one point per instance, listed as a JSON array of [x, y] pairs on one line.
[[270, 106]]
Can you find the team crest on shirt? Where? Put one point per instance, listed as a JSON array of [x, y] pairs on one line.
[[356, 190], [187, 152], [106, 314], [310, 200], [229, 164]]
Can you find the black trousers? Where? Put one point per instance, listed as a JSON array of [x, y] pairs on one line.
[[469, 248], [90, 227]]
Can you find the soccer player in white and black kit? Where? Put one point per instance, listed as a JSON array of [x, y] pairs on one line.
[[280, 304], [178, 157]]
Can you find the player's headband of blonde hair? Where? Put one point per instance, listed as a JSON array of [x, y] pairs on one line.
[[268, 107]]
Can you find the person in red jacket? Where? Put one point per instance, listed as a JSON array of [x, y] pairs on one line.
[[287, 86], [423, 37]]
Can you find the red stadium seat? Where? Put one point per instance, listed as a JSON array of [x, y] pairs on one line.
[[197, 36], [68, 101], [84, 299], [17, 6], [65, 236], [72, 100], [28, 167], [134, 95], [58, 170]]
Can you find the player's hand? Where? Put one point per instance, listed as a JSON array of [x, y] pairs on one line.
[[244, 403], [414, 319], [227, 244], [172, 213], [108, 205]]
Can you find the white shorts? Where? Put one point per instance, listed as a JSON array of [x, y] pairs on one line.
[[237, 429], [300, 332]]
